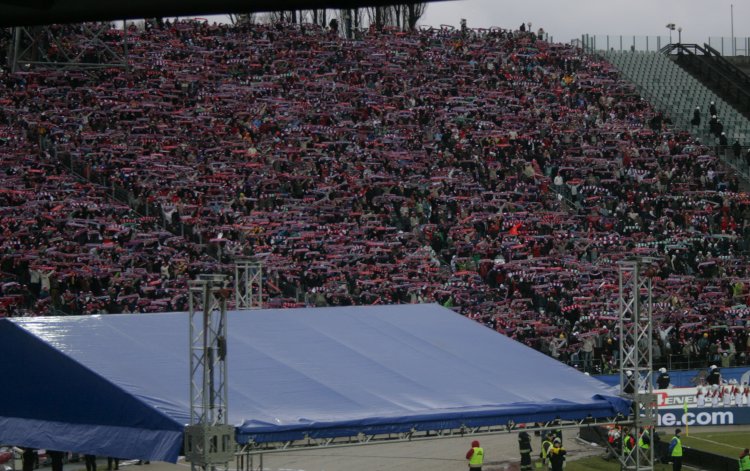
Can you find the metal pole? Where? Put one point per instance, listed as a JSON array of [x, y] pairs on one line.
[[731, 14], [16, 49]]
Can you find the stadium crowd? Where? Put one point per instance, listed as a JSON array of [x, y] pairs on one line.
[[486, 170]]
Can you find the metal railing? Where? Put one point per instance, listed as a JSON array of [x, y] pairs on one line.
[[730, 46], [738, 46], [603, 42]]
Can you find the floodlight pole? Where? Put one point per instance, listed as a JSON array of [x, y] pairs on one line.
[[209, 439], [636, 356], [248, 285]]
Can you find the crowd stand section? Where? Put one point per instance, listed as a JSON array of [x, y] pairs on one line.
[[488, 170]]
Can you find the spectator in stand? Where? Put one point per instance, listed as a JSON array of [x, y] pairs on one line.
[[356, 184], [723, 141], [736, 149], [696, 121]]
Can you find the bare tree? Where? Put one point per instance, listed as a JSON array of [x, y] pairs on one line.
[[400, 16], [357, 18], [273, 17], [397, 13], [345, 20], [414, 13], [243, 18], [379, 17]]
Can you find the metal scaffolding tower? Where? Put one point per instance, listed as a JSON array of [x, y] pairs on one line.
[[248, 284], [636, 361], [209, 439], [49, 46]]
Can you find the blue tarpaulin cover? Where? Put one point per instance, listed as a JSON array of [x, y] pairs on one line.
[[117, 385]]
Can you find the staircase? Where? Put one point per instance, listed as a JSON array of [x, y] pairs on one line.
[[714, 71], [675, 91]]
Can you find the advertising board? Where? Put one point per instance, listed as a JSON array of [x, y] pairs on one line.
[[672, 411]]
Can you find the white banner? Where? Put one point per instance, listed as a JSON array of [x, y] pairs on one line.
[[676, 398]]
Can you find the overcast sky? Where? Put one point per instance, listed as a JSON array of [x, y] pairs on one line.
[[568, 19]]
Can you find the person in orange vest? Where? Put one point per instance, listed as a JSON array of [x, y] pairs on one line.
[[475, 456]]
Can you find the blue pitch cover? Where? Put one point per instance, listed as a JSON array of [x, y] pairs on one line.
[[91, 383]]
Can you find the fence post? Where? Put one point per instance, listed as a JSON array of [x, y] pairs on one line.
[[621, 43], [647, 49]]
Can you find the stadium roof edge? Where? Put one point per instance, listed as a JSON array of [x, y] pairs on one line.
[[41, 12]]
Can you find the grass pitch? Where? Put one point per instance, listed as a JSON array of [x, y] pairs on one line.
[[722, 443]]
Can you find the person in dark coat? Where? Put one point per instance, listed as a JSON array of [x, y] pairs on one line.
[[629, 387], [714, 376], [719, 128], [736, 149], [557, 456], [662, 382], [90, 461], [712, 109], [57, 459], [30, 459], [723, 141], [696, 121], [712, 124], [524, 447]]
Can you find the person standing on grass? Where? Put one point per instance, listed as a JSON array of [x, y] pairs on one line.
[[745, 460], [675, 451]]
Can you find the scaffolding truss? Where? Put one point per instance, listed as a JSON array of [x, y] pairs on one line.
[[50, 47], [248, 285], [636, 362], [209, 439]]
